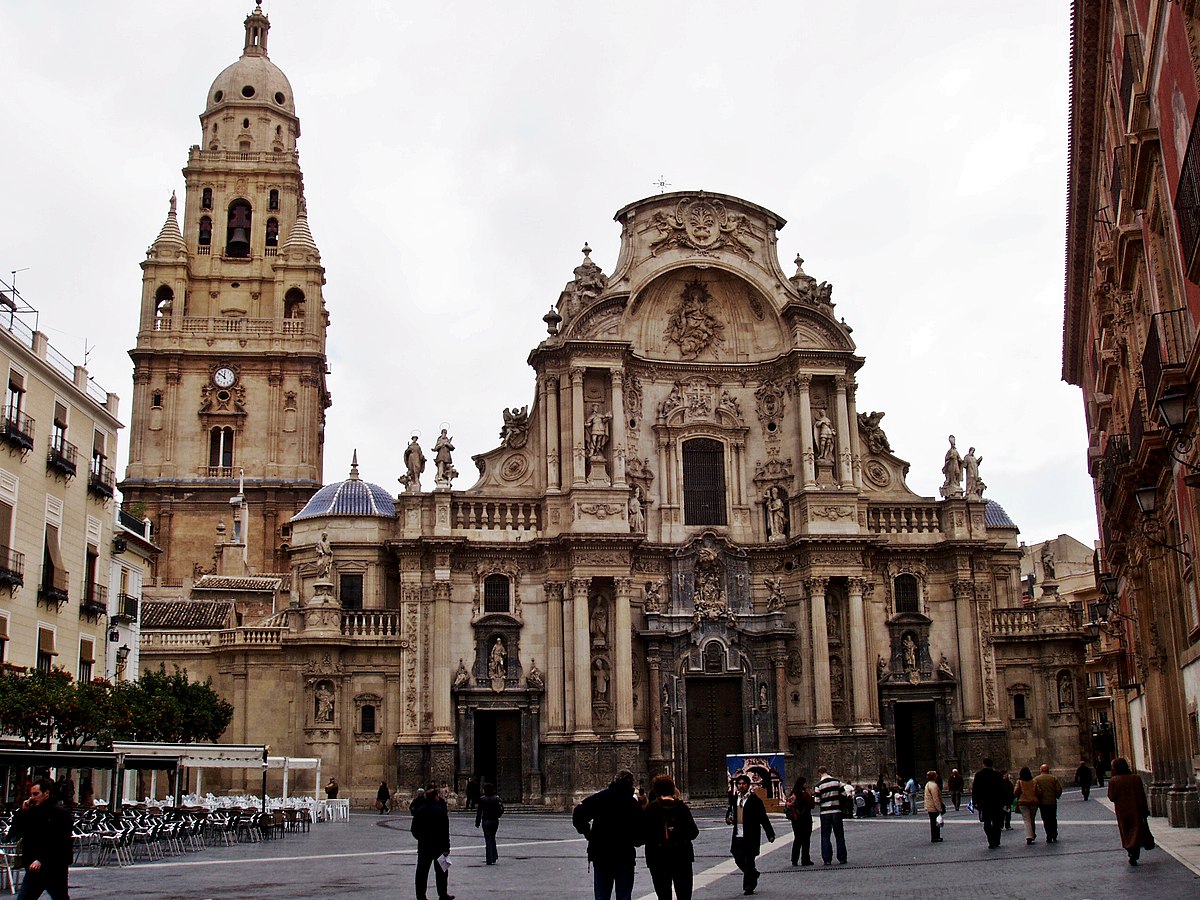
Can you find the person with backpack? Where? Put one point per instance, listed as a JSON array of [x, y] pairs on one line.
[[670, 830], [798, 810], [488, 811]]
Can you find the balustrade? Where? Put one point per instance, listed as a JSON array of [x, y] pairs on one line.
[[371, 624], [906, 518], [497, 515]]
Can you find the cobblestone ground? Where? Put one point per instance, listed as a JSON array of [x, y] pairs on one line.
[[541, 856]]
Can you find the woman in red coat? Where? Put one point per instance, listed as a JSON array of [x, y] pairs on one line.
[[1128, 796]]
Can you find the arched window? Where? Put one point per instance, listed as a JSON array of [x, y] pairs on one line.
[[293, 304], [164, 301], [156, 400], [368, 719], [273, 197], [704, 482], [205, 231], [237, 232], [908, 597], [272, 232], [220, 448], [496, 594], [206, 196]]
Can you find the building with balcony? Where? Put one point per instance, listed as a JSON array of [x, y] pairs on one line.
[[1131, 306], [55, 521], [132, 564]]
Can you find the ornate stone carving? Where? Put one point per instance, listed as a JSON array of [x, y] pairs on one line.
[[691, 326], [515, 431], [769, 406], [773, 473], [873, 435], [952, 469], [876, 473], [702, 225], [775, 598], [653, 600], [600, 510], [462, 678], [633, 400], [637, 470], [833, 513], [585, 287], [709, 600], [808, 289], [795, 666], [515, 467], [533, 679]]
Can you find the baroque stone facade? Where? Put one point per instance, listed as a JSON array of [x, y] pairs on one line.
[[690, 543]]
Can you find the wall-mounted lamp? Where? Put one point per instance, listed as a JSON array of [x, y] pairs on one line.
[[1172, 409], [1146, 499], [1147, 503], [1108, 584]]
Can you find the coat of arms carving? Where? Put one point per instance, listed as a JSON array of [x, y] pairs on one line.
[[691, 326], [704, 226]]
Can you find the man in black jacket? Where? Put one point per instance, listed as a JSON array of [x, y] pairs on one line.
[[988, 795], [44, 828], [431, 827], [748, 817], [611, 820]]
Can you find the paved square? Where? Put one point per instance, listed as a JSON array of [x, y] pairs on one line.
[[541, 856]]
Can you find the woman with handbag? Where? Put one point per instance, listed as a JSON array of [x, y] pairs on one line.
[[1128, 796], [935, 807], [382, 796], [1027, 802], [798, 809]]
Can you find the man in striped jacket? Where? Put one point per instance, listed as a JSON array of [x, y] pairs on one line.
[[829, 794]]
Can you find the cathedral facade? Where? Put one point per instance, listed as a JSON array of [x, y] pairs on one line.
[[690, 543]]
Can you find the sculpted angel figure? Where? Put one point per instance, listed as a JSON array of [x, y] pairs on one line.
[[534, 678], [653, 602], [877, 441], [775, 599]]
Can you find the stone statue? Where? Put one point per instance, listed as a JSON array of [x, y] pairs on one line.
[[599, 679], [462, 677], [599, 625], [775, 600], [324, 557], [763, 696], [441, 459], [497, 659], [637, 518], [324, 698], [414, 461], [516, 427], [944, 667], [597, 431], [975, 485], [653, 602], [1047, 562], [952, 469], [868, 424], [881, 668], [776, 516], [1066, 691], [910, 652], [534, 679], [823, 437]]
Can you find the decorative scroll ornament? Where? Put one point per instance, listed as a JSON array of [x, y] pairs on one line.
[[691, 326], [704, 226]]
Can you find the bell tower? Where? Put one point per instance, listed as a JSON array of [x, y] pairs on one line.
[[229, 367]]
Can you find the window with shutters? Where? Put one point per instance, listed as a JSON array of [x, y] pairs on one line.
[[704, 482]]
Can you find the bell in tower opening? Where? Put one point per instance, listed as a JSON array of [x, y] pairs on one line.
[[237, 245]]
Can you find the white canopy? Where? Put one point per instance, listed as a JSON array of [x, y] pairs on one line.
[[215, 756]]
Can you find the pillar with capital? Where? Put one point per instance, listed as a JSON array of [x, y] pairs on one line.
[[618, 427], [860, 666], [654, 707], [968, 653], [779, 661], [624, 650], [820, 649], [550, 407], [578, 439], [442, 669], [555, 709], [583, 659], [803, 382], [852, 421], [845, 473]]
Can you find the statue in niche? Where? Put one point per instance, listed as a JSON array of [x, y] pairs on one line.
[[462, 677], [323, 697], [534, 679], [597, 431], [877, 441], [442, 462], [1066, 691], [952, 469], [823, 437], [653, 602], [691, 326], [599, 680], [414, 461], [837, 678], [599, 627], [776, 515], [637, 518], [775, 600], [324, 557], [975, 485], [764, 696], [910, 652], [497, 662], [709, 599]]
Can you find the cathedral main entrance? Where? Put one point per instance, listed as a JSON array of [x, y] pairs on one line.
[[498, 751], [916, 739], [714, 728]]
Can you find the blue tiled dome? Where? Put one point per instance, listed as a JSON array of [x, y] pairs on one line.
[[994, 516], [352, 497]]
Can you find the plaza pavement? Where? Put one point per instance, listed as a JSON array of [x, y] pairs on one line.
[[541, 856]]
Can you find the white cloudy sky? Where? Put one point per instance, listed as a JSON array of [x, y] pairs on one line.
[[458, 154]]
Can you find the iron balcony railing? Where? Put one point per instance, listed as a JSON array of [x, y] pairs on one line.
[[101, 481], [1168, 344], [62, 456], [17, 428], [126, 608], [1116, 455], [12, 568], [54, 586], [95, 600]]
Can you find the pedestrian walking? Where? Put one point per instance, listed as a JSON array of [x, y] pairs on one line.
[[488, 813], [910, 794], [748, 816], [1102, 765], [829, 796], [382, 797], [670, 830], [1049, 789], [472, 792], [1128, 796], [934, 806], [798, 810], [989, 797], [44, 828], [431, 827], [1027, 802], [1083, 778], [954, 784], [1009, 789], [611, 820]]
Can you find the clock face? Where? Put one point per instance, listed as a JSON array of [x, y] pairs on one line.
[[224, 377]]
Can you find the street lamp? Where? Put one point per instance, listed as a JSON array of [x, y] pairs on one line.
[[1146, 499]]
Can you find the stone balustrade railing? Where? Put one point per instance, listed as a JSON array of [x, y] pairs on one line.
[[1014, 621], [257, 637], [371, 624], [1041, 619], [177, 639], [496, 515], [903, 518]]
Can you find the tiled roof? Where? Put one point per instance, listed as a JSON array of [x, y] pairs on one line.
[[994, 516], [186, 614], [352, 497], [270, 583]]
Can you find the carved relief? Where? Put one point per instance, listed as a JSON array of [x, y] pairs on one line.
[[515, 432], [704, 226], [873, 435], [769, 406], [598, 510], [691, 326], [633, 400], [515, 467]]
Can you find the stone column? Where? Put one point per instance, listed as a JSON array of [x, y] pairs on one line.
[[578, 439], [855, 446], [550, 398], [779, 661], [442, 669], [583, 660], [845, 473], [820, 651], [619, 425], [968, 650], [567, 635], [806, 432], [860, 667], [654, 709], [555, 721], [623, 680]]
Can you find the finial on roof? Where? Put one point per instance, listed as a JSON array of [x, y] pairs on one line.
[[172, 202], [587, 251], [799, 264], [354, 466]]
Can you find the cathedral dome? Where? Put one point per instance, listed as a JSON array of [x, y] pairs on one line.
[[253, 78], [352, 497]]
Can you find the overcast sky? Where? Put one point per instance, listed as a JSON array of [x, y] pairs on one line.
[[457, 155]]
